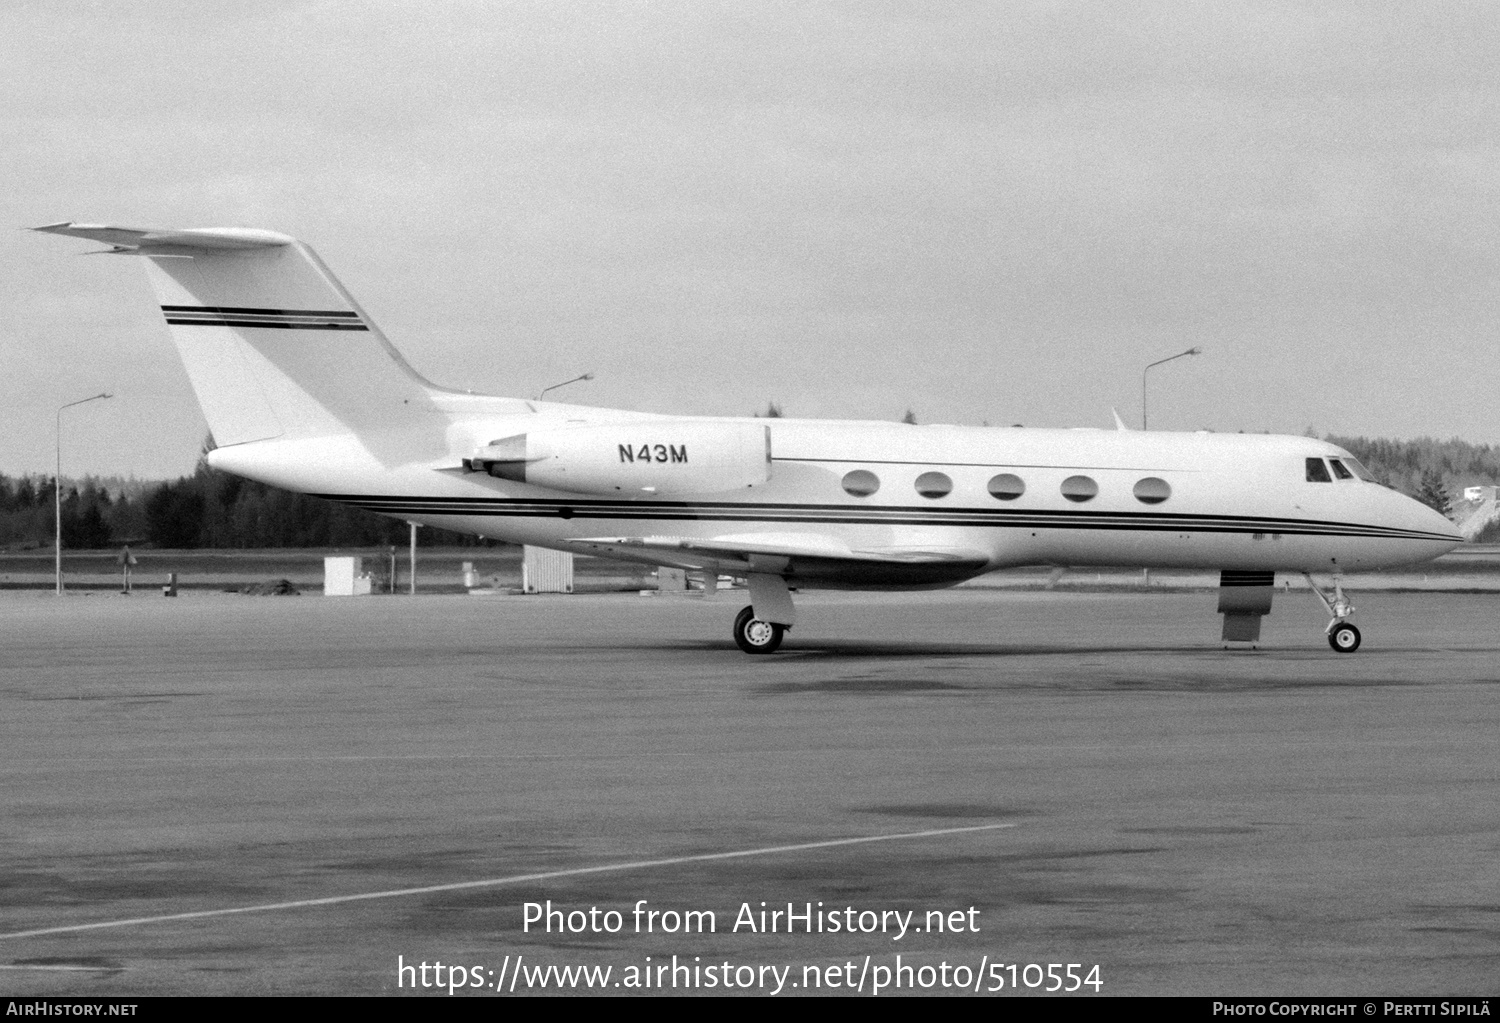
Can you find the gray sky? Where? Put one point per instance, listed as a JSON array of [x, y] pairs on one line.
[[979, 211]]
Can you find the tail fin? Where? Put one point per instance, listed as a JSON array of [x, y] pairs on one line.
[[273, 344]]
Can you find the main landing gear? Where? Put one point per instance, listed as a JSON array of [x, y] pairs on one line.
[[758, 628], [755, 636], [1342, 636]]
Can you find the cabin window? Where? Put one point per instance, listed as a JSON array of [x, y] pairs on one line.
[[1339, 470], [1358, 469], [861, 483], [934, 484], [1317, 472], [1007, 487], [1079, 489], [1152, 490]]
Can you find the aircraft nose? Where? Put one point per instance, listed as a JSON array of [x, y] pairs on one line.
[[1425, 519]]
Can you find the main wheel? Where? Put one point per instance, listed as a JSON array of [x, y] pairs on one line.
[[755, 636], [1344, 638]]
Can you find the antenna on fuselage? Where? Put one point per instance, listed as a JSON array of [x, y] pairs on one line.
[[565, 383]]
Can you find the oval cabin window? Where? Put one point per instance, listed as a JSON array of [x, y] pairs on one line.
[[861, 483], [1152, 490], [934, 484], [1007, 487], [1079, 489]]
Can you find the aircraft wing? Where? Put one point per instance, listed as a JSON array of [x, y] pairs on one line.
[[797, 556]]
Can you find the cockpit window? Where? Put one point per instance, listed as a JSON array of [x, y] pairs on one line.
[[1339, 470], [1359, 470], [1317, 472]]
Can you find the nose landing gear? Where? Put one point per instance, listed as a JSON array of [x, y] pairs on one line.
[[1342, 636]]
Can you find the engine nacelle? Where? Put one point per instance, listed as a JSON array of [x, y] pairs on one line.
[[663, 457]]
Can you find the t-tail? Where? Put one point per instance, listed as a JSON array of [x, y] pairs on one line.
[[273, 344]]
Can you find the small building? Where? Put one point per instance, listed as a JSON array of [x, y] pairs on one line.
[[544, 570], [342, 577]]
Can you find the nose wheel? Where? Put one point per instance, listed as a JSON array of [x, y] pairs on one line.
[[755, 636], [1342, 636]]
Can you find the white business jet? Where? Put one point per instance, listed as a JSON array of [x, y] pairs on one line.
[[301, 390]]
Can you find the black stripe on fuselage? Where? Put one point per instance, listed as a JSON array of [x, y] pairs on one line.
[[1240, 577], [1157, 522]]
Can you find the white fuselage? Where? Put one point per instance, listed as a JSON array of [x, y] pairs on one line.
[[1233, 501]]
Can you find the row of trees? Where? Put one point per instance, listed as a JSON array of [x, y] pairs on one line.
[[91, 516], [206, 509], [214, 509]]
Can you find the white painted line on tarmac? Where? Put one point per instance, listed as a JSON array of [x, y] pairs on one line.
[[495, 882], [113, 763]]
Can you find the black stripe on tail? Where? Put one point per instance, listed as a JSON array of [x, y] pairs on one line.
[[272, 319]]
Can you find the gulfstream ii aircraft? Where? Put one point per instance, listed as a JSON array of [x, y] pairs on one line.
[[301, 390]]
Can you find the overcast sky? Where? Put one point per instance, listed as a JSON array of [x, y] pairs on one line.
[[980, 211]]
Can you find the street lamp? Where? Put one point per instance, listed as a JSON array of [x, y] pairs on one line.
[[1158, 362], [414, 526], [565, 383], [57, 482]]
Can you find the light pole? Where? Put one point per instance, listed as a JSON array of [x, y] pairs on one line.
[[565, 383], [413, 525], [1158, 362], [57, 482]]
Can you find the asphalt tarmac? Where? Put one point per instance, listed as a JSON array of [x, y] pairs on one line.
[[1044, 778]]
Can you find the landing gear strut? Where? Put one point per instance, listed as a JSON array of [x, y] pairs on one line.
[[1342, 636], [755, 636]]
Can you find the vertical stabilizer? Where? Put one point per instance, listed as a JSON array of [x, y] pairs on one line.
[[273, 344]]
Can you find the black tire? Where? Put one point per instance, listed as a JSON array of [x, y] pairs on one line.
[[1344, 638], [755, 636]]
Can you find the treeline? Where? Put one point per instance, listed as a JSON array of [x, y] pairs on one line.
[[91, 516], [207, 509]]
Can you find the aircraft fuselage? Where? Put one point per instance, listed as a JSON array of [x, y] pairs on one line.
[[1063, 497]]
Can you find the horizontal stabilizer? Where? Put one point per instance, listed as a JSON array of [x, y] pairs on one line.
[[151, 238]]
